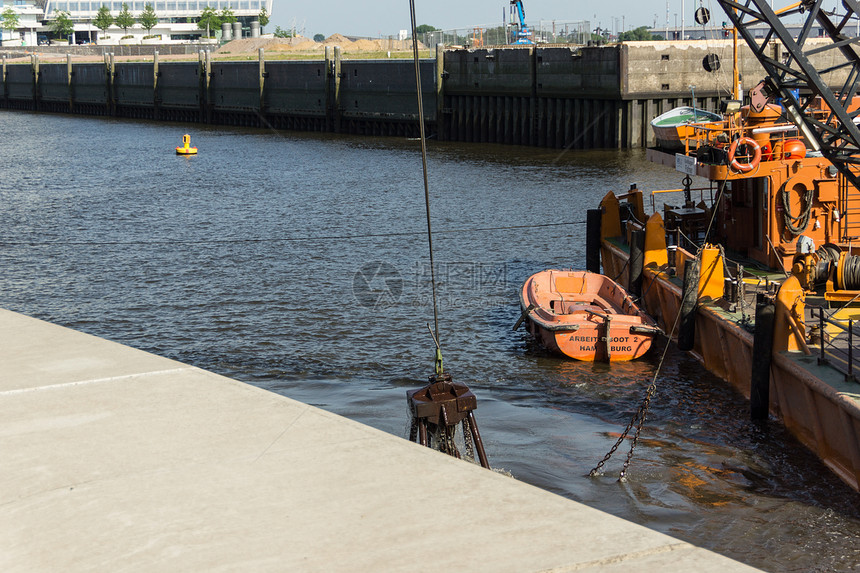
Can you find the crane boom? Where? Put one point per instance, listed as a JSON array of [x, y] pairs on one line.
[[835, 132]]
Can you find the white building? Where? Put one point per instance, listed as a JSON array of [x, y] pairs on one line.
[[177, 19]]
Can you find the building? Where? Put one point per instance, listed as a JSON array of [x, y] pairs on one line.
[[177, 19]]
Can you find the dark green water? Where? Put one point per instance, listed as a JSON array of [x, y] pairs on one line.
[[298, 263]]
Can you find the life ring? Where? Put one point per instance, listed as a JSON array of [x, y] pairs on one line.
[[753, 163]]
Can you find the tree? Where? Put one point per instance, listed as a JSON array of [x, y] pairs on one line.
[[263, 18], [424, 28], [639, 34], [227, 16], [281, 33], [103, 19], [62, 24], [10, 19], [148, 18], [124, 19], [319, 38], [209, 21]]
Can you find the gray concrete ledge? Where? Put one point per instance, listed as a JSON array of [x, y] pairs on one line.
[[118, 460]]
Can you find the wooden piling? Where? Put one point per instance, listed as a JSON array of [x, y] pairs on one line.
[[262, 85], [156, 98], [69, 85], [34, 65], [441, 128], [336, 91]]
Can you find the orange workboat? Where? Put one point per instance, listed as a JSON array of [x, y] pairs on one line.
[[586, 316]]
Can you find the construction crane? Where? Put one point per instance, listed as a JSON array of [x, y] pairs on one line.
[[523, 35], [826, 117]]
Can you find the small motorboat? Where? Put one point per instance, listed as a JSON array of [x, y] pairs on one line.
[[672, 128], [586, 316]]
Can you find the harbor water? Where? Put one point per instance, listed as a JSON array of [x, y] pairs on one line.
[[299, 263]]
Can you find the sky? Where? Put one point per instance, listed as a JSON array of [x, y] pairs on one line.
[[375, 18]]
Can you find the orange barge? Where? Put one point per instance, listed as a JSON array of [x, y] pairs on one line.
[[778, 230], [585, 316]]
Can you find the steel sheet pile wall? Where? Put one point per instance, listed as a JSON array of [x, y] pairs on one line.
[[558, 96], [363, 97]]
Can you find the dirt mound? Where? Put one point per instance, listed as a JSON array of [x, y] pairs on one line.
[[302, 44], [338, 40], [366, 45], [251, 45]]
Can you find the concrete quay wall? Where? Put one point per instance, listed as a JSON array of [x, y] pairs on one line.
[[116, 459], [547, 96]]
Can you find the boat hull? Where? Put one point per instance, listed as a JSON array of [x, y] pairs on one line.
[[821, 415], [672, 128], [585, 316]]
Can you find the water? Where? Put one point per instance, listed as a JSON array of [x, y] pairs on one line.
[[298, 263]]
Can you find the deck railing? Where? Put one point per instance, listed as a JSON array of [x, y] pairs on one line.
[[838, 351]]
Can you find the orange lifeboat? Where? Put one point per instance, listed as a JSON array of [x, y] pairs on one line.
[[586, 316]]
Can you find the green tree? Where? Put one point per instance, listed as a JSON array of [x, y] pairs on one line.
[[9, 19], [227, 16], [281, 33], [103, 19], [209, 21], [424, 28], [62, 24], [148, 18], [639, 34], [319, 38], [263, 18], [124, 19]]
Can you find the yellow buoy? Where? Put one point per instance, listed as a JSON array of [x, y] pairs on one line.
[[186, 148]]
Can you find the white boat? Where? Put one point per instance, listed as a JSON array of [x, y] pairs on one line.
[[674, 126]]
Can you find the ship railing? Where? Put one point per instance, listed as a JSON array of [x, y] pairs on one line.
[[838, 351], [721, 134], [699, 190]]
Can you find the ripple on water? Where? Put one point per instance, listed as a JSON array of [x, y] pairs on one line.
[[244, 260]]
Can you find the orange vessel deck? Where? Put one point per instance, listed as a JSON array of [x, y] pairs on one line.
[[585, 316]]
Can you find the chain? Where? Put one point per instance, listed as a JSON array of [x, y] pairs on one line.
[[639, 420], [641, 414], [467, 439]]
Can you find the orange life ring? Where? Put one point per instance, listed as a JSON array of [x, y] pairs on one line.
[[753, 163]]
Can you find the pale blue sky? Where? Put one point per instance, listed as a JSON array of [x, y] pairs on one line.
[[386, 17]]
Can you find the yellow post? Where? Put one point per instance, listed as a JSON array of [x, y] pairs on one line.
[[789, 330], [711, 273], [610, 222], [655, 242]]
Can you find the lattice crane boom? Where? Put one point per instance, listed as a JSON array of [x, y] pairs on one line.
[[834, 132]]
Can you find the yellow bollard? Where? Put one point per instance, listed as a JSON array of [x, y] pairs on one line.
[[610, 223], [711, 273], [789, 331], [655, 243]]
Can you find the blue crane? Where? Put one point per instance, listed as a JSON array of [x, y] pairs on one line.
[[523, 35]]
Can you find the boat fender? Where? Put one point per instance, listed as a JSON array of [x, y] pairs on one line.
[[649, 330], [689, 302], [753, 163]]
